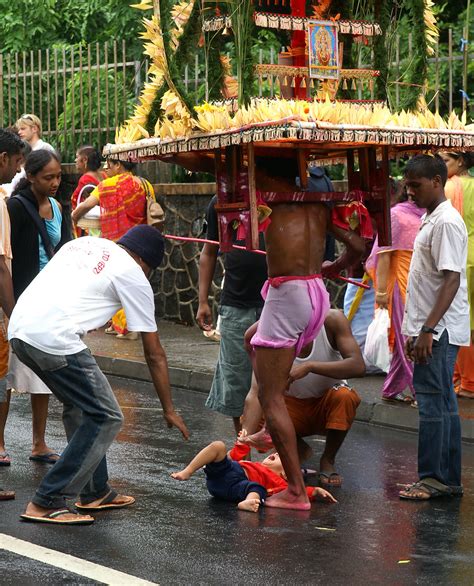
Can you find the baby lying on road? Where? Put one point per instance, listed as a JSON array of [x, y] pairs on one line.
[[231, 478]]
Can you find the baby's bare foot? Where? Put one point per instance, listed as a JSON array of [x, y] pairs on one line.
[[183, 475], [251, 505]]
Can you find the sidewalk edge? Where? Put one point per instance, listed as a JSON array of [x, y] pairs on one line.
[[401, 418]]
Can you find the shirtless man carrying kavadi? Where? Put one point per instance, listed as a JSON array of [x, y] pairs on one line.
[[296, 304]]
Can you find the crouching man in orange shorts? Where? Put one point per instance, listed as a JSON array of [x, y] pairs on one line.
[[318, 399]]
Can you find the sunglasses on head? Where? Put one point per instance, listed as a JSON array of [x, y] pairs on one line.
[[26, 117]]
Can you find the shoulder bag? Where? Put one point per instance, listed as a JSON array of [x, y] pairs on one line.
[[155, 215]]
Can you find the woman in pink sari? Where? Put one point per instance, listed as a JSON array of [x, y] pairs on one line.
[[388, 266]]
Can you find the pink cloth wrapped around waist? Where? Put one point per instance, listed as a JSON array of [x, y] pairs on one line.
[[277, 281], [294, 312]]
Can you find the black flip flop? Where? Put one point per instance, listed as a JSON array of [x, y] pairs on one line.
[[327, 478], [105, 504], [49, 458]]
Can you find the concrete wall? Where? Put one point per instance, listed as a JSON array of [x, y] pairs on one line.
[[176, 283]]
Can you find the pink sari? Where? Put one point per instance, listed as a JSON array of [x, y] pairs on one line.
[[406, 220]]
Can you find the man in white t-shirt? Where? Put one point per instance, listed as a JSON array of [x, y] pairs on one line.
[[30, 129], [92, 278], [436, 323]]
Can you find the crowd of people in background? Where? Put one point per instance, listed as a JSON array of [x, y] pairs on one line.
[[284, 358]]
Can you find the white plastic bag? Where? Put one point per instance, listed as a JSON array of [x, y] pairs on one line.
[[376, 349]]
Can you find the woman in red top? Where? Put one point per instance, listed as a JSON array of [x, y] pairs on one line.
[[88, 162]]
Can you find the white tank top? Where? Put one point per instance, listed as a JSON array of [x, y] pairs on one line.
[[313, 386]]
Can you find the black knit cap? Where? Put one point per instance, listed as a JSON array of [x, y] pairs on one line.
[[145, 241]]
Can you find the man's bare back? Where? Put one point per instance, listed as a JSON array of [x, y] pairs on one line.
[[295, 239]]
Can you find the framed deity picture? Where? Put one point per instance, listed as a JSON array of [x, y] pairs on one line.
[[323, 48]]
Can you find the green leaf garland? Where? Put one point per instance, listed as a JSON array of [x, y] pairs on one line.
[[418, 65], [176, 61], [382, 14]]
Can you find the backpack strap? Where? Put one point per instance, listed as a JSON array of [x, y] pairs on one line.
[[144, 183], [38, 222]]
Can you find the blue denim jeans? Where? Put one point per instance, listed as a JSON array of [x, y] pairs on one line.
[[439, 440], [91, 417]]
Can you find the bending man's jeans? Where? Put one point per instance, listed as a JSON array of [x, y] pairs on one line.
[[91, 416], [439, 440]]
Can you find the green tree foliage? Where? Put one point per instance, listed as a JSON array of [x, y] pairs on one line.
[[41, 24], [96, 112], [453, 15]]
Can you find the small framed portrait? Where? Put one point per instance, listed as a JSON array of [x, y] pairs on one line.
[[323, 48]]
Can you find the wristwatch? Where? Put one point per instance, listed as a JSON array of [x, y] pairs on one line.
[[427, 330]]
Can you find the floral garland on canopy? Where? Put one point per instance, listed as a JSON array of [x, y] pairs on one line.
[[165, 111]]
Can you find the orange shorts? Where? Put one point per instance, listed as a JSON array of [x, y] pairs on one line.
[[336, 409]]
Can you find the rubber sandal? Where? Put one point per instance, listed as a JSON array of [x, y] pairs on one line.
[[429, 486], [5, 459], [48, 458], [308, 472], [129, 336], [400, 398], [465, 394], [6, 495], [107, 503], [325, 479], [54, 517], [213, 335]]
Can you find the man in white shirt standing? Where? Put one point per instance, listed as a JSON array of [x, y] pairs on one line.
[[436, 322], [92, 278]]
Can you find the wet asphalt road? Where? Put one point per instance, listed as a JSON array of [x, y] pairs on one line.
[[177, 534]]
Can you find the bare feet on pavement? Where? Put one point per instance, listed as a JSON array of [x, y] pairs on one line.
[[182, 475], [251, 505], [287, 500]]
